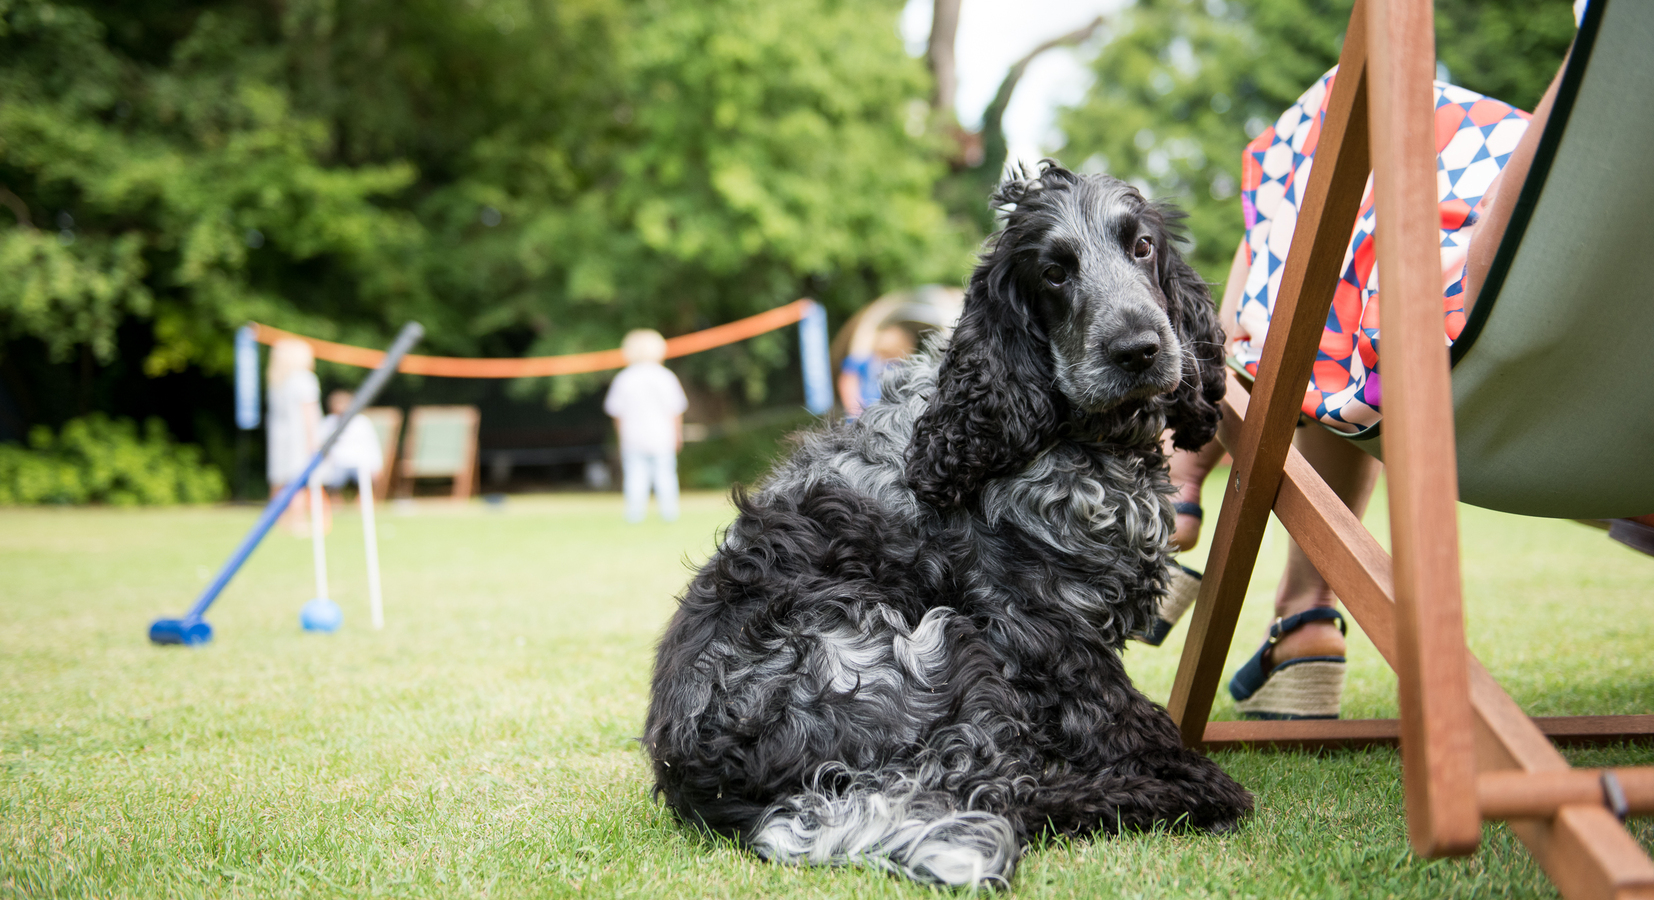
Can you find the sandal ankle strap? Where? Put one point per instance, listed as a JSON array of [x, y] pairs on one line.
[[1282, 627]]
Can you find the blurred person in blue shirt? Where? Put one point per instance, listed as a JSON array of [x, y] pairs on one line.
[[858, 380]]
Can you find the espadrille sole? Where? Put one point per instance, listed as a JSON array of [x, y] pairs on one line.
[[1298, 690], [1182, 588]]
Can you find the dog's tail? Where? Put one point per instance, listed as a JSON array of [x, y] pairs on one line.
[[892, 824]]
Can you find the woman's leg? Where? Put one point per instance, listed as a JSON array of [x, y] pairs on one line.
[[1189, 471], [1351, 474]]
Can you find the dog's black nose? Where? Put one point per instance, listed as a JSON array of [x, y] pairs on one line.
[[1135, 354]]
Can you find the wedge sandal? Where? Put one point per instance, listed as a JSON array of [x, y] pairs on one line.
[[1182, 587], [1308, 687]]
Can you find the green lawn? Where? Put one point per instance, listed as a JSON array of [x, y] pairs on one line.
[[481, 745]]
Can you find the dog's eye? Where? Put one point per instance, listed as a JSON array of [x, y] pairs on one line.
[[1144, 248], [1055, 275]]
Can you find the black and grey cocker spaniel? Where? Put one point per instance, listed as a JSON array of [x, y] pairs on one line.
[[906, 651]]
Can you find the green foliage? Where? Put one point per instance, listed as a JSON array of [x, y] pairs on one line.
[[1175, 89], [524, 176], [99, 460], [742, 455], [1509, 49], [165, 179], [1183, 84]]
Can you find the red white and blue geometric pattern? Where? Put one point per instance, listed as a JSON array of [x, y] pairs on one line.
[[1474, 138]]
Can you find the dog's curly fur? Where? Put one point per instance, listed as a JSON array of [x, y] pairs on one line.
[[906, 651]]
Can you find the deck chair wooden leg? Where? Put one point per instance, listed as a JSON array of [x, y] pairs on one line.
[[1583, 849], [1455, 718], [1437, 746], [462, 483], [1313, 266]]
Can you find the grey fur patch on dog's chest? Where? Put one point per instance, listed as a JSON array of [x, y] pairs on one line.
[[1077, 499], [1103, 513]]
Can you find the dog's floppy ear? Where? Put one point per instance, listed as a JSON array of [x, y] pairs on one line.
[[994, 408], [1192, 409]]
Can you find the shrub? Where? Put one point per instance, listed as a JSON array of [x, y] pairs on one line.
[[742, 453], [101, 460]]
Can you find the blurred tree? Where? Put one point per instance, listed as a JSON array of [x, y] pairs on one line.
[[977, 158], [1182, 85], [768, 149], [525, 176], [172, 180], [993, 154]]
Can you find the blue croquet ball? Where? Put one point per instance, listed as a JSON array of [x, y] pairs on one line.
[[321, 614]]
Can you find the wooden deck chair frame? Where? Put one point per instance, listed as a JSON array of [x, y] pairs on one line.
[[465, 475], [1469, 753]]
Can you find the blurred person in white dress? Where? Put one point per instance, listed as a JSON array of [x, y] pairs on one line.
[[647, 402], [293, 431]]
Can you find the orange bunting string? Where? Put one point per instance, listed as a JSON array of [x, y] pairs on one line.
[[540, 366]]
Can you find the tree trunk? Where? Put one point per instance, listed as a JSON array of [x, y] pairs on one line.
[[993, 120], [943, 28]]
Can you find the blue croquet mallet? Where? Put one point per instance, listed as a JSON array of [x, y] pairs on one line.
[[192, 629]]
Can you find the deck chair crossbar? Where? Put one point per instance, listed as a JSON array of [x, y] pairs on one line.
[[1469, 752]]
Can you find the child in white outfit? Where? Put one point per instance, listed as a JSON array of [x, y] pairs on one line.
[[358, 447], [647, 403]]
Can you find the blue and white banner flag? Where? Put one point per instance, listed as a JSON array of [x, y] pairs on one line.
[[246, 379], [813, 353]]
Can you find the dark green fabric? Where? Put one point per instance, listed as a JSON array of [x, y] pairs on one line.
[[1554, 395], [1553, 376]]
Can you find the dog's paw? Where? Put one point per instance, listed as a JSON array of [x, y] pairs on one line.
[[1224, 827], [1234, 805]]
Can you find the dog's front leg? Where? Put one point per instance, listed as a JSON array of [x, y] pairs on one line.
[[1151, 778], [1115, 760]]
